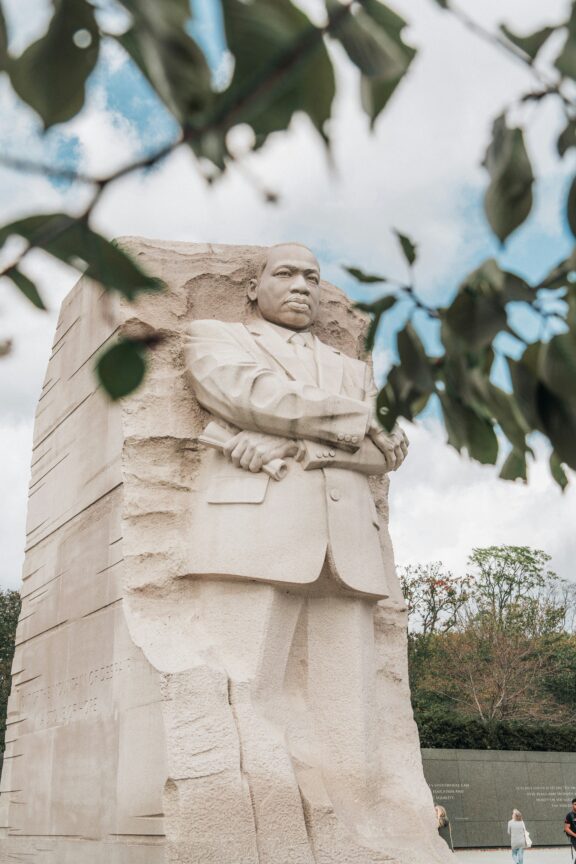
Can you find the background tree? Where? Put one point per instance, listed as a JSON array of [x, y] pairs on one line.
[[9, 612], [282, 66], [502, 651]]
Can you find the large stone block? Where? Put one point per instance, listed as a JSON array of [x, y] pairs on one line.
[[133, 736]]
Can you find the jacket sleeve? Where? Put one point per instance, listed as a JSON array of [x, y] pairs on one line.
[[231, 383], [368, 459]]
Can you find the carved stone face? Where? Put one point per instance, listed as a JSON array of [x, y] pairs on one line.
[[288, 291]]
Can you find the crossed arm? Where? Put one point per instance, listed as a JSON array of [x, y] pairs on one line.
[[280, 417]]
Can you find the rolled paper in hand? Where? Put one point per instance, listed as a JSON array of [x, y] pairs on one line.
[[216, 437]]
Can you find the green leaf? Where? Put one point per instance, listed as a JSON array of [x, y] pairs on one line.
[[466, 428], [508, 199], [514, 467], [369, 47], [530, 44], [559, 365], [567, 138], [545, 410], [375, 93], [478, 311], [159, 17], [386, 407], [507, 415], [571, 301], [566, 62], [51, 74], [517, 289], [377, 309], [524, 377], [3, 41], [281, 60], [361, 276], [374, 43], [571, 207], [121, 368], [558, 419], [400, 397], [171, 61], [414, 361], [557, 278], [27, 287], [75, 243], [408, 247], [557, 471]]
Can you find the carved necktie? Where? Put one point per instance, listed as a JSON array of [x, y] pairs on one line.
[[302, 345]]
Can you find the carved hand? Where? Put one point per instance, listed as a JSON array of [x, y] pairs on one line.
[[252, 450], [393, 445]]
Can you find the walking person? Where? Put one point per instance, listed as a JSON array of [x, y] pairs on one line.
[[443, 823], [518, 837], [570, 825]]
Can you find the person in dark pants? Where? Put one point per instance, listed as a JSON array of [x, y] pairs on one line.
[[443, 823], [570, 824]]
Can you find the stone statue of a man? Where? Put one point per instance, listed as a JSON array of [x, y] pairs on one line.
[[273, 552]]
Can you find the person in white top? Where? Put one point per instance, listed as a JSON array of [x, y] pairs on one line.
[[517, 832]]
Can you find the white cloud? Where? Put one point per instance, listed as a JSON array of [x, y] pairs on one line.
[[443, 505]]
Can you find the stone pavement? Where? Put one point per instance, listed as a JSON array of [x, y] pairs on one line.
[[538, 855]]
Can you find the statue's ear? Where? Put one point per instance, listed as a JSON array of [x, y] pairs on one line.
[[252, 289]]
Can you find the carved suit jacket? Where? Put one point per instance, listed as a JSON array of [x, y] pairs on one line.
[[251, 526]]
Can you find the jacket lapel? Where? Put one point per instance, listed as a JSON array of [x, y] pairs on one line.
[[279, 350]]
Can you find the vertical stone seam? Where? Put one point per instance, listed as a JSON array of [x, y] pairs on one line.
[[243, 772]]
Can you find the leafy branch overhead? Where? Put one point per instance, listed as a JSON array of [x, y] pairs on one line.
[[282, 65], [483, 406]]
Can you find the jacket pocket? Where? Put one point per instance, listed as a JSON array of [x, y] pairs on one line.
[[249, 489]]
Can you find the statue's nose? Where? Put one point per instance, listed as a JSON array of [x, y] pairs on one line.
[[299, 284]]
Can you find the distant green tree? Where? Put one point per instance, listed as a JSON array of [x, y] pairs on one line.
[[9, 611], [496, 646]]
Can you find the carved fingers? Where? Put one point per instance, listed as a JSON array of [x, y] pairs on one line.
[[252, 450], [393, 446]]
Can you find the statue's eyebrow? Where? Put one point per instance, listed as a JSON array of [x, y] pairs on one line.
[[293, 267]]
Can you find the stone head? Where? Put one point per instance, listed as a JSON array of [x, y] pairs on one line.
[[287, 289]]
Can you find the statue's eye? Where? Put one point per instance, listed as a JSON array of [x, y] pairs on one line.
[[283, 273]]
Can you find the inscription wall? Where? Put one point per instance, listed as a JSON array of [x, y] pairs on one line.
[[479, 789]]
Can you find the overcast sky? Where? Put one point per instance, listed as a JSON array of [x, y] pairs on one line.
[[418, 172]]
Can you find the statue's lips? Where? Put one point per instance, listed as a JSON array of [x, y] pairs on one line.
[[297, 305]]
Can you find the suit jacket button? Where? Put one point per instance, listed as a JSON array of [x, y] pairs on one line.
[[319, 454], [347, 437], [354, 439], [334, 494], [331, 452], [340, 436]]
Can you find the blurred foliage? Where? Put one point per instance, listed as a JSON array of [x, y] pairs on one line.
[[491, 656], [9, 612], [282, 66]]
